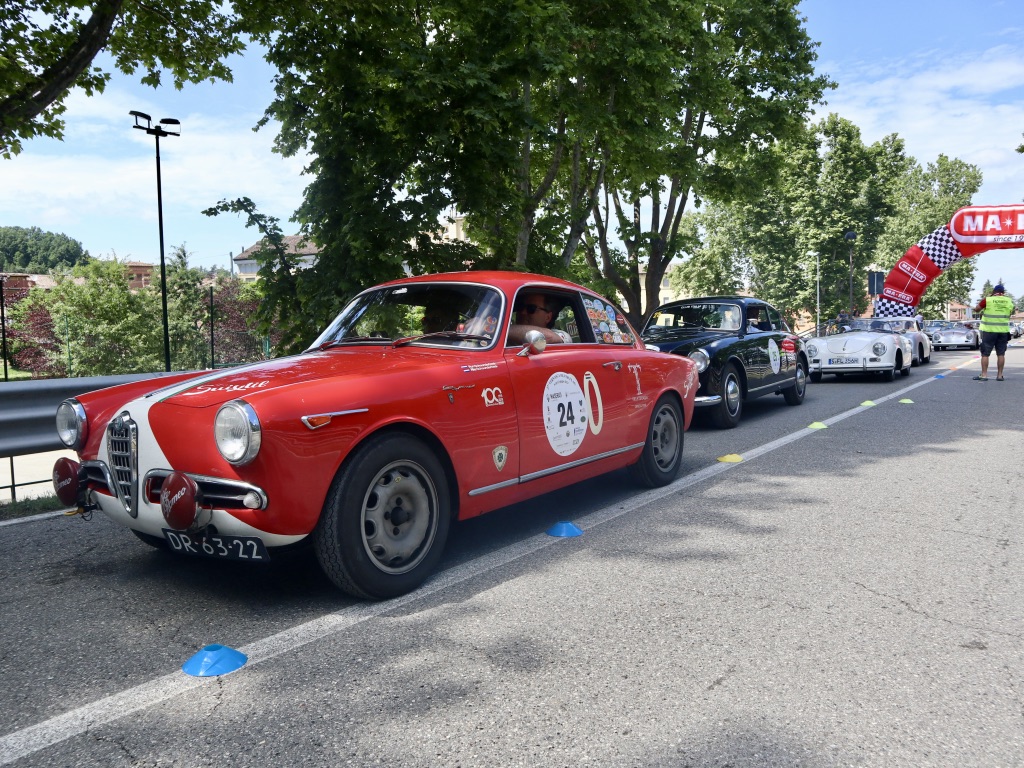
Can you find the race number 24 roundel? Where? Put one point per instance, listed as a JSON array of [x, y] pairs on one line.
[[971, 231], [569, 411]]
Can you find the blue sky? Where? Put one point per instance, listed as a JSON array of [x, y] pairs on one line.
[[947, 77]]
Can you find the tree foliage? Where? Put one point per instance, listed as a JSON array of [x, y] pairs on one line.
[[48, 47], [30, 249], [793, 240], [519, 114], [93, 323], [89, 324], [926, 199]]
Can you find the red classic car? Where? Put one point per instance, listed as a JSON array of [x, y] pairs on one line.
[[427, 400]]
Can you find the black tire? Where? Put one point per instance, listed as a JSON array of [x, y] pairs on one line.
[[157, 542], [795, 395], [889, 375], [905, 371], [726, 414], [662, 455], [359, 545], [815, 376]]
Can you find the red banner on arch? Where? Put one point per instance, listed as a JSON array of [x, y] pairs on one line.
[[971, 231]]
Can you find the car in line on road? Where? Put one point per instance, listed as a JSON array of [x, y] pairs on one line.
[[931, 327], [422, 403], [956, 336], [742, 347], [862, 345], [921, 342]]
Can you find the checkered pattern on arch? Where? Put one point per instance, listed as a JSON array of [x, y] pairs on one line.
[[890, 308], [940, 247]]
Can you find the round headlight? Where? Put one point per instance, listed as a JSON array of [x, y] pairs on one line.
[[72, 425], [237, 432], [812, 350], [879, 348], [700, 357]]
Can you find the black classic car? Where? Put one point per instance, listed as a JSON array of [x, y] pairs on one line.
[[742, 346]]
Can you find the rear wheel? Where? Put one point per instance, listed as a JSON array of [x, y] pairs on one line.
[[386, 518], [795, 395], [726, 414], [663, 450]]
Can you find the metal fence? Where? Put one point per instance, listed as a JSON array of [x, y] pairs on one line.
[[27, 415]]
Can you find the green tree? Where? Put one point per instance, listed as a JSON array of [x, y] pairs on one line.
[[926, 199], [518, 114], [737, 77], [30, 249], [188, 316], [99, 325], [48, 47], [828, 183]]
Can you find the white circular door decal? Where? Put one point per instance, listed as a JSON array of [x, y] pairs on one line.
[[565, 413], [773, 356]]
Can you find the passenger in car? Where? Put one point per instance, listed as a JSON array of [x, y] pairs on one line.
[[535, 312]]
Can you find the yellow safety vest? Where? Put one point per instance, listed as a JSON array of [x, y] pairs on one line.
[[995, 318]]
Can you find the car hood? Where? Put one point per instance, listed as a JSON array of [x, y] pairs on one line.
[[686, 338], [249, 380], [851, 342]]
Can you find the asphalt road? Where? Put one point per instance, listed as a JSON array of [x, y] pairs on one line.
[[841, 596]]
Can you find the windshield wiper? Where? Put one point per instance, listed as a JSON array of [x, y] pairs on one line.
[[458, 335], [347, 340]]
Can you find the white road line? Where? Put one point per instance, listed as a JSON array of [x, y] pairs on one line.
[[34, 738]]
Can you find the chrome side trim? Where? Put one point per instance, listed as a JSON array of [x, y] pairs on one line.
[[305, 419], [553, 470], [495, 487], [705, 400]]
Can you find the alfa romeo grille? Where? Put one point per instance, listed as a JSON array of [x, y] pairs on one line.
[[122, 448]]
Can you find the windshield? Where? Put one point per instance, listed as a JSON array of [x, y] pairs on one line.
[[713, 315], [435, 314], [867, 324]]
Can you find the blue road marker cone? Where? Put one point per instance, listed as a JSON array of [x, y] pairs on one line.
[[564, 529], [214, 660]]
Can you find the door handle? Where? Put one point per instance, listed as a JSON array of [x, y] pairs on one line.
[[615, 364]]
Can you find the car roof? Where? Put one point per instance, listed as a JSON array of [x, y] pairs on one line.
[[698, 299], [506, 281]]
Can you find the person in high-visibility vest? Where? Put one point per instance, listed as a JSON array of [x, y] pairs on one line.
[[995, 329]]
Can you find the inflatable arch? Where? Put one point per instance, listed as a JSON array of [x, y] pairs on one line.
[[971, 231]]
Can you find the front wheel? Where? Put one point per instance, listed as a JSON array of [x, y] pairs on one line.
[[386, 518], [795, 395], [726, 414], [816, 377], [663, 450]]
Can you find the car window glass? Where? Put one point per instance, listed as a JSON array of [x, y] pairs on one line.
[[435, 314], [607, 322], [775, 319], [566, 318]]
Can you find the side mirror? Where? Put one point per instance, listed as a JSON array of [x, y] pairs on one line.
[[535, 343]]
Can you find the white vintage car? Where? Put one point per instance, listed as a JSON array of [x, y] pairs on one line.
[[920, 341], [957, 335], [861, 345]]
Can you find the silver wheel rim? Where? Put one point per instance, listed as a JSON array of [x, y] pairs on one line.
[[801, 380], [399, 517], [732, 395], [665, 438]]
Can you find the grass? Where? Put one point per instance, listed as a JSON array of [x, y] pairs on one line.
[[11, 510]]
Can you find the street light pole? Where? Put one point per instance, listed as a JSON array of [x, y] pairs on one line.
[[817, 311], [851, 236], [157, 131]]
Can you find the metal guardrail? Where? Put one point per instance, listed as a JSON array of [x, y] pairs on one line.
[[28, 409]]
